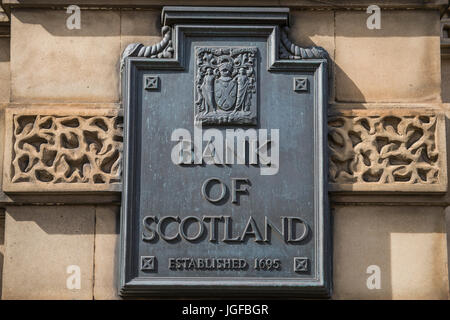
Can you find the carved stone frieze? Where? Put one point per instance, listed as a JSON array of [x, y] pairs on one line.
[[225, 85], [81, 150], [60, 151], [385, 153]]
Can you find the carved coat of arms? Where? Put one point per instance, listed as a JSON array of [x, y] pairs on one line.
[[225, 85]]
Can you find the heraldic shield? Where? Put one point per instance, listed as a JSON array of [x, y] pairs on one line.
[[225, 85]]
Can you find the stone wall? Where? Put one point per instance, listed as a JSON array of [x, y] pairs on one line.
[[2, 245], [387, 202]]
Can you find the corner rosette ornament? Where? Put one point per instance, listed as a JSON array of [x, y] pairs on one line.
[[161, 50], [225, 85], [289, 50]]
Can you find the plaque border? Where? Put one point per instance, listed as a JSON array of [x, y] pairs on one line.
[[320, 284]]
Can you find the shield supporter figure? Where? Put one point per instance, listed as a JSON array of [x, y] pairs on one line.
[[244, 83], [207, 92]]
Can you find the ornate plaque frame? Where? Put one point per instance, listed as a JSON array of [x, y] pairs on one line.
[[182, 23]]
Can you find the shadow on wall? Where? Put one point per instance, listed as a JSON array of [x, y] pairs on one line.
[[407, 244], [395, 63], [94, 23], [59, 220], [4, 50], [366, 70], [344, 81], [400, 240], [136, 25], [445, 79], [2, 246], [44, 241]]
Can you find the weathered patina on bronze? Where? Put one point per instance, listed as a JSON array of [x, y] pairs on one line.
[[211, 214]]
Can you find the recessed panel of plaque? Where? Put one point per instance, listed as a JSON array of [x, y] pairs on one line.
[[225, 174]]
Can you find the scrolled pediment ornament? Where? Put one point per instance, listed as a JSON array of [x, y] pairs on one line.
[[164, 49], [289, 50], [160, 50]]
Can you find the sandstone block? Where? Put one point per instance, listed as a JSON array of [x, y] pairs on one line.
[[46, 248], [50, 62], [398, 63], [407, 243]]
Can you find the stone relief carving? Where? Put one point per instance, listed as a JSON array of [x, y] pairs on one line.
[[289, 50], [375, 151], [163, 49], [225, 85], [66, 149], [383, 150]]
